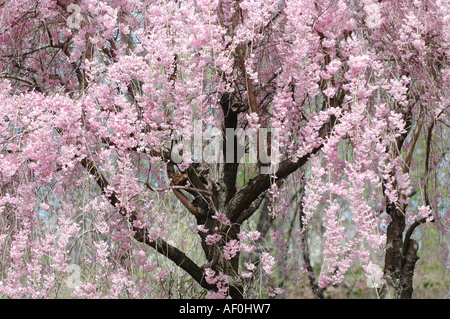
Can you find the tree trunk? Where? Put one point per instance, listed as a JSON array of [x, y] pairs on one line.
[[400, 259], [214, 253]]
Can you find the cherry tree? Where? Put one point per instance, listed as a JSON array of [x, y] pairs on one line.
[[102, 104]]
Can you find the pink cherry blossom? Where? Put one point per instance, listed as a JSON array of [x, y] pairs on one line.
[[114, 175]]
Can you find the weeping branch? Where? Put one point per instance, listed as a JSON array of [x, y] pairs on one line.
[[141, 234]]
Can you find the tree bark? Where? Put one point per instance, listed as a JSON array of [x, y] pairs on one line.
[[393, 257], [400, 258]]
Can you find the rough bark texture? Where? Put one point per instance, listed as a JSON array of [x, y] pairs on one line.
[[400, 261], [409, 263], [393, 257]]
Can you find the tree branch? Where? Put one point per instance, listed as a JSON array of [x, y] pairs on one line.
[[179, 179], [176, 256], [141, 234], [230, 113], [243, 199]]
